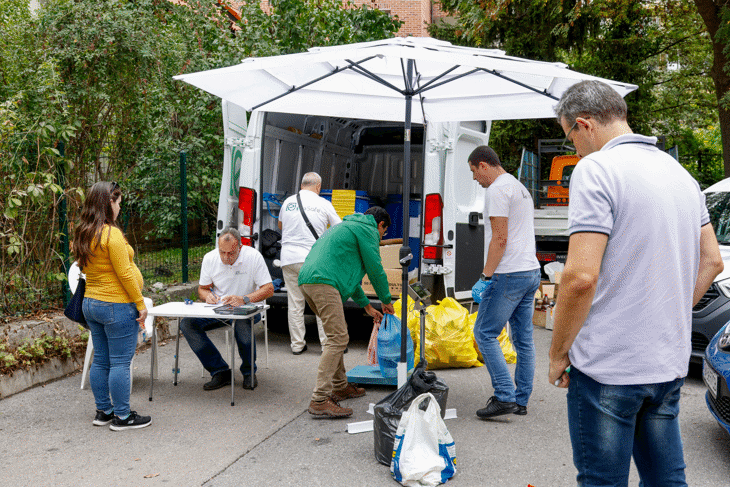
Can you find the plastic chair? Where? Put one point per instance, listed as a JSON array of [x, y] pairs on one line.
[[73, 279]]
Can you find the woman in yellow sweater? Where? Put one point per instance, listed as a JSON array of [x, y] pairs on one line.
[[113, 305]]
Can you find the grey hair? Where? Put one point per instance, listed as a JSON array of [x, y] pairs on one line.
[[593, 99], [230, 232], [311, 179]]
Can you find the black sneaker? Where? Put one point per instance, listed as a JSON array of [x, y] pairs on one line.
[[300, 351], [521, 410], [221, 379], [102, 418], [250, 382], [495, 407], [133, 421]]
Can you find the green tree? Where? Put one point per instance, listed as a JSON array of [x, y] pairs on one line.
[[293, 26], [659, 46], [716, 16]]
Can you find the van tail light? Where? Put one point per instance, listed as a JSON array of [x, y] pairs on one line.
[[247, 205], [432, 226]]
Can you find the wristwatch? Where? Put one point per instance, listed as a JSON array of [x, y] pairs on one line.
[[484, 277], [246, 300]]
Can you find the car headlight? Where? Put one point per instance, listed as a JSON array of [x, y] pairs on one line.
[[724, 287], [724, 342]]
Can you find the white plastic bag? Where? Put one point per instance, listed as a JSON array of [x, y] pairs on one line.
[[423, 450]]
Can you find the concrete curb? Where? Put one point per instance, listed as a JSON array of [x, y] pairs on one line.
[[22, 380], [56, 368]]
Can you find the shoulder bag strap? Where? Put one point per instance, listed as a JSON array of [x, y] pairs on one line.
[[306, 220]]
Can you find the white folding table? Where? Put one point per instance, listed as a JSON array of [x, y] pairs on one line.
[[181, 310]]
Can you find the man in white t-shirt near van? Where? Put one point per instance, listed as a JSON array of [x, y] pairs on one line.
[[508, 282], [236, 275], [642, 252], [297, 239]]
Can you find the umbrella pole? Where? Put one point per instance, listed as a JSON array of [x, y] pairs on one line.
[[405, 250]]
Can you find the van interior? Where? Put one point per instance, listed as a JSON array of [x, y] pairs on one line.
[[363, 156]]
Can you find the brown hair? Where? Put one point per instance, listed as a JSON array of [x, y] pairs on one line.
[[96, 212]]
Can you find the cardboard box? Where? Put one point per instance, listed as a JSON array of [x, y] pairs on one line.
[[395, 278], [389, 255], [548, 289], [543, 319]]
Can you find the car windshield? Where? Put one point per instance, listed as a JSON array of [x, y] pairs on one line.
[[718, 204]]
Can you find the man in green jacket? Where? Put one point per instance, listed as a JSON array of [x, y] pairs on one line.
[[331, 274]]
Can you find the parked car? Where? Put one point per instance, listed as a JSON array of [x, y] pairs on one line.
[[716, 374], [713, 310]]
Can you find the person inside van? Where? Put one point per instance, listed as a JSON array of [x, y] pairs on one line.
[[303, 218]]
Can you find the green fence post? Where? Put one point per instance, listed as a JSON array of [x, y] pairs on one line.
[[184, 215], [63, 221]]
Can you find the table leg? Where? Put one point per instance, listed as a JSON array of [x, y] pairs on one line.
[[233, 359], [153, 359], [177, 353]]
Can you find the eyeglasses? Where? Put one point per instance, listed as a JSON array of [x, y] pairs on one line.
[[565, 141], [115, 186]]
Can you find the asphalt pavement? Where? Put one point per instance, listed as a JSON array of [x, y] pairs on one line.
[[269, 439]]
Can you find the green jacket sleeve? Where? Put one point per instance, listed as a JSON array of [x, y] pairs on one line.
[[370, 254], [359, 297]]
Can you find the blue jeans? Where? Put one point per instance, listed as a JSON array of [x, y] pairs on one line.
[[608, 423], [510, 297], [195, 331], [114, 330]]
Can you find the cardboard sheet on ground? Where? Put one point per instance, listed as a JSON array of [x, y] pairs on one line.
[[449, 340]]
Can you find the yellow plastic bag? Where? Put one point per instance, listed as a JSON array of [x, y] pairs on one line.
[[449, 341], [510, 356]]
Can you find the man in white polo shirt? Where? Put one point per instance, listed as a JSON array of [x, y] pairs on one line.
[[297, 239], [642, 252], [236, 275]]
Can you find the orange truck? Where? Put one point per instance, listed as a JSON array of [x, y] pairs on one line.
[[550, 197]]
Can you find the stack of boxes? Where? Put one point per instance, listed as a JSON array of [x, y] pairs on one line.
[[389, 255], [545, 298]]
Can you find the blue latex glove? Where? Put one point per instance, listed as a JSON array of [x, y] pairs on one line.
[[478, 289]]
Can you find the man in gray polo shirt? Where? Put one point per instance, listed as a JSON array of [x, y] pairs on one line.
[[642, 252]]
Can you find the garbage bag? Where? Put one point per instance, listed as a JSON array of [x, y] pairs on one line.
[[424, 453], [389, 346], [388, 411], [449, 335]]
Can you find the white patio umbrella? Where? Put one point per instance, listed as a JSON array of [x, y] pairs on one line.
[[379, 80]]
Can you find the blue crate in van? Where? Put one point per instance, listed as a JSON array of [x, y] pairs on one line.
[[394, 207]]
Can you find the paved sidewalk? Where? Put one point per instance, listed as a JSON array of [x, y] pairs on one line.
[[267, 438]]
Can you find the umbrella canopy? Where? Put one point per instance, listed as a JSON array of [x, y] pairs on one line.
[[381, 80], [369, 80]]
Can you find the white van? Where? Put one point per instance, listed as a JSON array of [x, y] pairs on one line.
[[266, 159]]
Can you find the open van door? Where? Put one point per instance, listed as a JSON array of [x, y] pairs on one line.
[[234, 132], [463, 204]]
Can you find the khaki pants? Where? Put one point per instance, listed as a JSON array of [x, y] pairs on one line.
[[326, 302], [295, 314]]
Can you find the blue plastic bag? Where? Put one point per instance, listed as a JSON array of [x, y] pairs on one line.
[[389, 346]]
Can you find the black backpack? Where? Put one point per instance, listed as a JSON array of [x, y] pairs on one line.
[[270, 243]]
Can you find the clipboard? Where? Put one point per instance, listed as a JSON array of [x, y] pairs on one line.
[[228, 309]]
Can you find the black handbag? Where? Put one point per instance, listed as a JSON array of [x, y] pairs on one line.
[[74, 309]]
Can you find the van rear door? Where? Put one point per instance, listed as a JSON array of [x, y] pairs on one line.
[[463, 252]]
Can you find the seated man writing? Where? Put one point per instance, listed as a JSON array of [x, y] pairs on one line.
[[234, 275]]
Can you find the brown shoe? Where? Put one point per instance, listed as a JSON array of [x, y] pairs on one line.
[[348, 392], [328, 409]]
